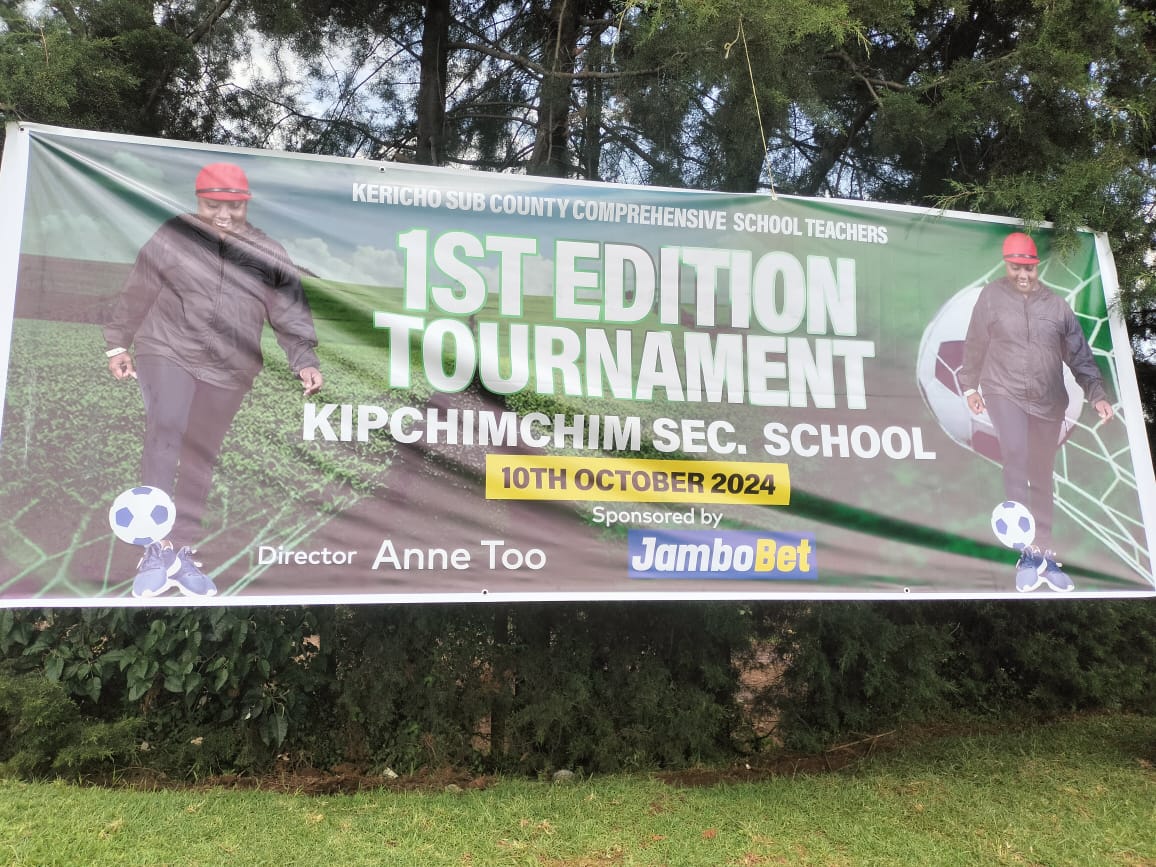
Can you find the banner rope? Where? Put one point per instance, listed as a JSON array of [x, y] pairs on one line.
[[742, 35]]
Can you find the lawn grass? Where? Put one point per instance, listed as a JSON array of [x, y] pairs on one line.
[[1079, 792]]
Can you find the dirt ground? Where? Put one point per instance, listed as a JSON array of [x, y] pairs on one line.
[[349, 779]]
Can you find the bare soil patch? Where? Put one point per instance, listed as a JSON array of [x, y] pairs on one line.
[[350, 779]]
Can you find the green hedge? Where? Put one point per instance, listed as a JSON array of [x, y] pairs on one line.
[[529, 688]]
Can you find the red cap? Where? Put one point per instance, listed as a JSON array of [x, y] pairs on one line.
[[224, 182], [1020, 249]]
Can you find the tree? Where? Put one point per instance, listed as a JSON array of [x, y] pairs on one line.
[[115, 65]]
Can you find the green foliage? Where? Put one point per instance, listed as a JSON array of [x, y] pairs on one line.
[[120, 66], [529, 688], [49, 76], [407, 686], [605, 687], [864, 667], [1051, 658], [724, 82], [242, 675], [854, 667], [43, 733], [526, 689]]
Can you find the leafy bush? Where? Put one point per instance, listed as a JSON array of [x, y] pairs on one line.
[[43, 733], [864, 667], [528, 688], [186, 673], [853, 667], [1051, 657], [411, 685], [532, 687], [609, 686]]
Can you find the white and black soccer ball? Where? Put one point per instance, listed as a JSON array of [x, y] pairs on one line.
[[937, 370], [1013, 524], [142, 515]]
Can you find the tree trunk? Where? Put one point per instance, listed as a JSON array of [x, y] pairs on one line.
[[592, 126], [550, 157], [431, 94], [502, 698]]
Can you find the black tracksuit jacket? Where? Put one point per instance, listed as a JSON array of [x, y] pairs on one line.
[[1017, 346], [202, 301]]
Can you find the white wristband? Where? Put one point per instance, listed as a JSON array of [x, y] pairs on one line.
[[969, 392], [118, 351]]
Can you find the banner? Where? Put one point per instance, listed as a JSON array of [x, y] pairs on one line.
[[246, 377]]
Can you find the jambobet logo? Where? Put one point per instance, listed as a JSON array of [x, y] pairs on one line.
[[721, 554]]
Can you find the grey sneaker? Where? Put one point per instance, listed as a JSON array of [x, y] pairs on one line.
[[1056, 577], [154, 571], [1028, 568], [189, 578]]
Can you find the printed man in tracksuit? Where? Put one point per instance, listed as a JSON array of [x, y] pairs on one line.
[[192, 310], [1020, 338]]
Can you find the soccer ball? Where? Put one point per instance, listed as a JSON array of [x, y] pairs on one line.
[[141, 516], [1013, 524], [937, 370]]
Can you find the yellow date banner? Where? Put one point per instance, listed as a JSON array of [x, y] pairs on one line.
[[542, 477]]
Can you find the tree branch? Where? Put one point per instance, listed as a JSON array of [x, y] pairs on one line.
[[194, 38], [539, 69], [202, 29], [71, 18]]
